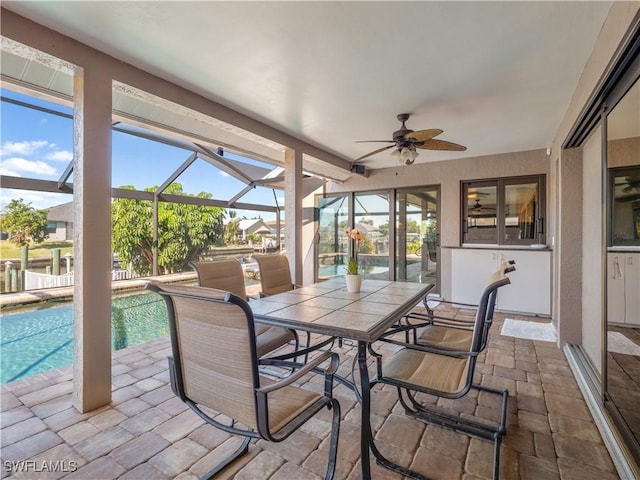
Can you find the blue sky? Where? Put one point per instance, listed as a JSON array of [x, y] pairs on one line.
[[36, 144]]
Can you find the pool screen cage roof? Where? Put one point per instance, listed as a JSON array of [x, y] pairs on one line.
[[136, 112], [252, 174]]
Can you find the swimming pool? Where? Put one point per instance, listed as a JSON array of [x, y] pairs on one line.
[[39, 340], [327, 271]]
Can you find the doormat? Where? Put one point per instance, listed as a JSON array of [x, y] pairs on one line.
[[618, 343], [529, 330]]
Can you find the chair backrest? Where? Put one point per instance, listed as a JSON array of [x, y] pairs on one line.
[[275, 274], [214, 350], [223, 275], [486, 308]]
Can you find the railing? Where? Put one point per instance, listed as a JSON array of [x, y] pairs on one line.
[[35, 281]]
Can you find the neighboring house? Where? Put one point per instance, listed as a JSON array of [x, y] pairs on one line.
[[248, 226], [272, 224], [60, 222]]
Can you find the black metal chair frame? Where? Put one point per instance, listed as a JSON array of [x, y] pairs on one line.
[[285, 356], [433, 415], [430, 318], [261, 393]]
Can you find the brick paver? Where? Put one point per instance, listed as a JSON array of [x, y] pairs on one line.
[[146, 432]]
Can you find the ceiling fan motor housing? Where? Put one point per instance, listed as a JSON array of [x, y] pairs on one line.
[[398, 135]]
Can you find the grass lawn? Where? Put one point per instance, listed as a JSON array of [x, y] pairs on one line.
[[11, 250]]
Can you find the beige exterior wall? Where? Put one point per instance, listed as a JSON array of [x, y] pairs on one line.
[[578, 294], [448, 176], [567, 271], [623, 153]]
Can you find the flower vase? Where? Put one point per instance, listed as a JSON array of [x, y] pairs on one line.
[[353, 283]]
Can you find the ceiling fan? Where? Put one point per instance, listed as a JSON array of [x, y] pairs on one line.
[[477, 208], [631, 184], [406, 141]]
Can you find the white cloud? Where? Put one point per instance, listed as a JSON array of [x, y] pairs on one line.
[[17, 164], [38, 200], [7, 171], [60, 156], [224, 174], [22, 148]]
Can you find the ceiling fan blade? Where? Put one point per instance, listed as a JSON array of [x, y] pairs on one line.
[[376, 151], [628, 198], [423, 135], [441, 145], [375, 141]]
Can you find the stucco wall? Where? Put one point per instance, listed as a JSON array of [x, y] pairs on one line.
[[448, 175], [570, 293]]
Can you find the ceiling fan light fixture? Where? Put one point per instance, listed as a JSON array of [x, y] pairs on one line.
[[395, 154], [408, 155]]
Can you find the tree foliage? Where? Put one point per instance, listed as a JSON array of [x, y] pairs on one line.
[[231, 231], [24, 223], [184, 231]]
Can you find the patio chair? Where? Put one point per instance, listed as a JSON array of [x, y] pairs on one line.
[[455, 333], [275, 278], [214, 370], [227, 275], [275, 275], [446, 373]]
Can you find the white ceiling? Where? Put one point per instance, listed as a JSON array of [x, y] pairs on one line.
[[495, 76]]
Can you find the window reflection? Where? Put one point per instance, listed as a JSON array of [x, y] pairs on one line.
[[371, 217], [625, 218], [623, 268], [482, 225], [520, 210], [504, 211]]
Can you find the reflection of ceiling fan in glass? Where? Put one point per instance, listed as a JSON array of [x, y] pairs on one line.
[[479, 208], [630, 189]]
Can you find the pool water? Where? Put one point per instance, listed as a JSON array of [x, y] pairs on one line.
[[40, 340], [325, 271]]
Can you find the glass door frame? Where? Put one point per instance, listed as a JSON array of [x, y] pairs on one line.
[[414, 190], [626, 81], [316, 242], [392, 196]]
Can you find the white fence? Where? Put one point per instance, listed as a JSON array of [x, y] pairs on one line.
[[35, 281]]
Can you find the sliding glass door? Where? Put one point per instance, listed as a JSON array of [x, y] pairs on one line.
[[371, 213], [622, 359], [332, 248], [400, 234], [417, 235]]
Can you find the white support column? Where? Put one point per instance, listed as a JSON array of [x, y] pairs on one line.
[[293, 212], [92, 239]]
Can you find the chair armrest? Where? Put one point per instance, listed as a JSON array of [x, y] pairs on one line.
[[431, 349], [309, 366]]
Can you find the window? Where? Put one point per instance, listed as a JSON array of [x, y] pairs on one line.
[[506, 211], [624, 188]]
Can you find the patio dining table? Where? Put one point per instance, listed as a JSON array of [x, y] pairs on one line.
[[327, 308]]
